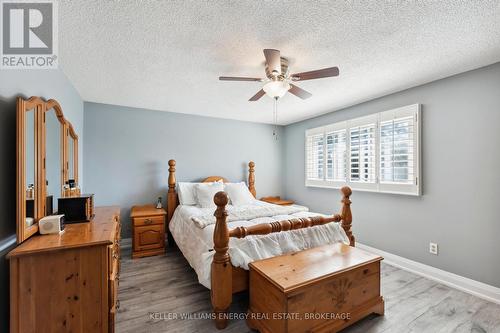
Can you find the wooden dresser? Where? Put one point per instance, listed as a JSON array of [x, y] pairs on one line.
[[68, 282]]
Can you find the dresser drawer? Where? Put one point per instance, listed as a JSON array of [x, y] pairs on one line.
[[145, 221], [149, 237]]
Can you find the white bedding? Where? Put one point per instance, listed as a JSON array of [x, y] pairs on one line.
[[196, 243], [248, 212]]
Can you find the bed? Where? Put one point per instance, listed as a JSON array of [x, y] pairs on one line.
[[219, 246]]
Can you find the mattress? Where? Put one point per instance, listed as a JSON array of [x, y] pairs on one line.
[[196, 243]]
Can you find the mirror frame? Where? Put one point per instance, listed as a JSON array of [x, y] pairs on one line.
[[22, 107], [71, 135], [67, 132], [53, 104]]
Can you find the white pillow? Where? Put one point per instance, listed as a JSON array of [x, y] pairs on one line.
[[239, 194], [187, 195], [205, 193]]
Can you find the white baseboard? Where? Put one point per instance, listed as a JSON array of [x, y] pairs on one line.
[[476, 288]]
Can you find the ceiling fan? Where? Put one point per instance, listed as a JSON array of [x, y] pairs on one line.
[[279, 80]]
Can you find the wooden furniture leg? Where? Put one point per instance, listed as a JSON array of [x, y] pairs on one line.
[[251, 178], [172, 200], [221, 280], [346, 213]]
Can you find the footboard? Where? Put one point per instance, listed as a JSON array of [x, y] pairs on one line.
[[222, 270]]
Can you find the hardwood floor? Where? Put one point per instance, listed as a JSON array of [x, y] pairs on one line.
[[154, 290]]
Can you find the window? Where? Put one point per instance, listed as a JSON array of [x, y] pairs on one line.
[[315, 148], [379, 152]]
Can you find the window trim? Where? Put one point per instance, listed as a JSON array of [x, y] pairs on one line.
[[412, 189]]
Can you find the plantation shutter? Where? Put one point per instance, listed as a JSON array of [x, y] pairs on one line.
[[336, 155], [396, 150], [363, 150], [379, 152], [315, 150], [399, 150]]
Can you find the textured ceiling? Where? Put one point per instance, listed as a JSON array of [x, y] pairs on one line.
[[167, 55]]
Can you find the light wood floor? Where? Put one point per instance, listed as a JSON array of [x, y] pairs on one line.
[[167, 286]]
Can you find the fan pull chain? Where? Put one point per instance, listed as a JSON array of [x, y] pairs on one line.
[[275, 119]]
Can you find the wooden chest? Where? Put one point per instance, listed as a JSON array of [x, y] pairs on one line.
[[148, 234], [68, 282], [323, 289]]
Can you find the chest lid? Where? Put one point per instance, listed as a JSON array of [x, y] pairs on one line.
[[294, 270]]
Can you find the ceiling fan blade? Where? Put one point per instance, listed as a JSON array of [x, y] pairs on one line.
[[237, 78], [257, 96], [299, 92], [318, 74], [273, 61]]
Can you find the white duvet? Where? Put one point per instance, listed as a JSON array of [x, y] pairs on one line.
[[196, 242]]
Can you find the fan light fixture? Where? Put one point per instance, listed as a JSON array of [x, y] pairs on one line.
[[277, 81], [276, 89]]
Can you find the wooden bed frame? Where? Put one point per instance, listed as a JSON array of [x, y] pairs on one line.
[[225, 278]]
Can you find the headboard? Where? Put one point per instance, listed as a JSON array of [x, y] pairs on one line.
[[212, 179], [173, 198]]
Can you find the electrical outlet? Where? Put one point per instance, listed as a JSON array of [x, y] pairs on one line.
[[433, 248]]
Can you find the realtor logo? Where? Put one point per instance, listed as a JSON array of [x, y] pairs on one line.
[[29, 34]]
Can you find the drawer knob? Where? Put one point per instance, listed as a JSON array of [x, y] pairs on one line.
[[148, 221]]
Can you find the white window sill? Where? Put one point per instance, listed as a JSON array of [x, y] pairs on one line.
[[412, 190]]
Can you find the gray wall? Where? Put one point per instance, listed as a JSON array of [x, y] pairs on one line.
[[126, 153], [461, 181], [13, 83]]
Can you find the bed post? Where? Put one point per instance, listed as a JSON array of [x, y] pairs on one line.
[[221, 279], [346, 213], [251, 178], [171, 197]]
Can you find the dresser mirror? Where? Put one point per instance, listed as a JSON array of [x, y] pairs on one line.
[[29, 210], [54, 155], [72, 156], [71, 163], [47, 158], [30, 156]]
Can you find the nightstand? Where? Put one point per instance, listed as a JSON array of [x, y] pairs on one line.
[[148, 231], [277, 201]]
